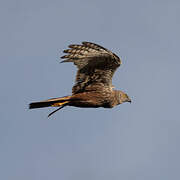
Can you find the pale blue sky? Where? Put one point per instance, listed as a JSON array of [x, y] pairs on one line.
[[137, 141]]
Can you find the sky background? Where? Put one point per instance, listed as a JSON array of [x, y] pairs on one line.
[[137, 141]]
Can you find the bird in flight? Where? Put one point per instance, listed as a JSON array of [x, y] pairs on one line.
[[93, 85]]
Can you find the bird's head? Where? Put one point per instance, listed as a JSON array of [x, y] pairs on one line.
[[122, 97]]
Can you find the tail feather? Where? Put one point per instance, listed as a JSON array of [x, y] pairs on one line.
[[55, 102]]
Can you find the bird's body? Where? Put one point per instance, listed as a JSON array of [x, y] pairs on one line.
[[93, 87]]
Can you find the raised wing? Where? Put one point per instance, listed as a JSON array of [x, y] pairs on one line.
[[96, 66]]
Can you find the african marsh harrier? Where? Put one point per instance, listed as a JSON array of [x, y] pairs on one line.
[[93, 86]]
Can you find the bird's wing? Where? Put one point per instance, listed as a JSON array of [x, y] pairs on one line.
[[96, 66]]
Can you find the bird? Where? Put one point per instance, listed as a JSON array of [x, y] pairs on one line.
[[93, 87]]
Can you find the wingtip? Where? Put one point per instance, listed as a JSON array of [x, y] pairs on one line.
[[66, 51], [86, 42], [67, 60], [62, 57]]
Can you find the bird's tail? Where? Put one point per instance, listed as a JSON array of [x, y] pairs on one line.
[[55, 102]]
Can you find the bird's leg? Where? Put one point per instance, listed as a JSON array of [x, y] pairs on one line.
[[55, 111]]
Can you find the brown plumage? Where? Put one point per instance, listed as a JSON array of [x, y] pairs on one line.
[[93, 86]]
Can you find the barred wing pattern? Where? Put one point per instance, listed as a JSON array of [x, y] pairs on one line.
[[96, 66]]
